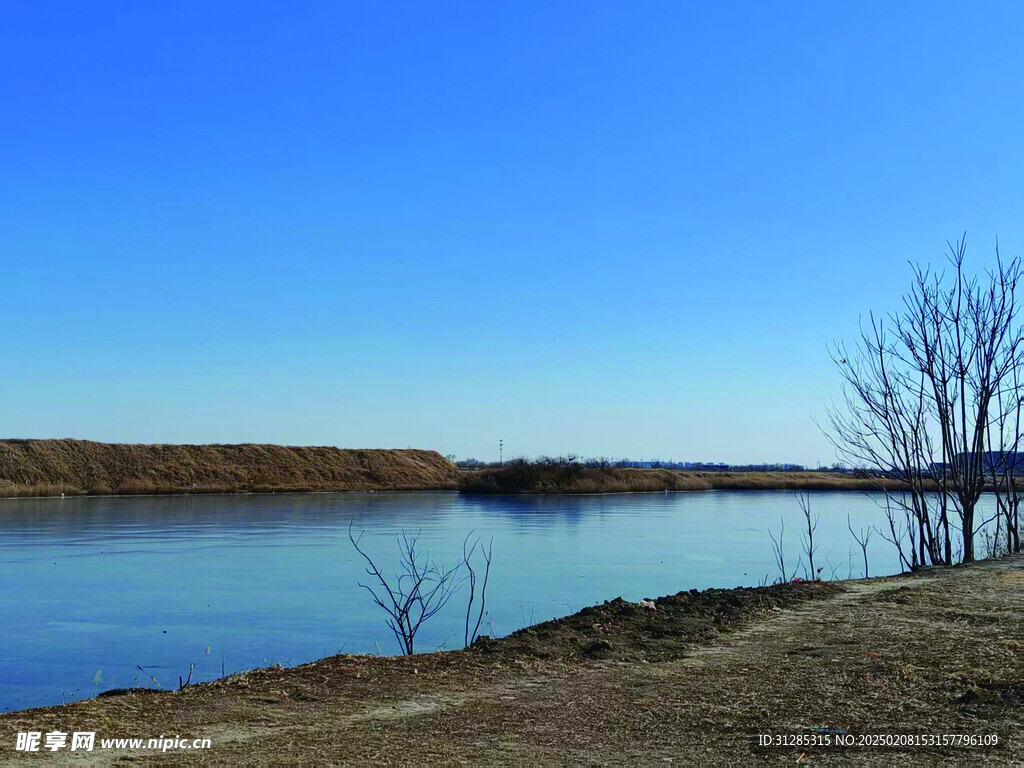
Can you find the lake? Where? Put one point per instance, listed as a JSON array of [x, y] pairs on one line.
[[108, 592]]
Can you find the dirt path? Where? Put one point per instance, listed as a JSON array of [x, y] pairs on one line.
[[937, 653]]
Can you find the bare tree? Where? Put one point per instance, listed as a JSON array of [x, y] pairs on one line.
[[901, 532], [883, 424], [807, 535], [1003, 460], [922, 389], [780, 556], [832, 567], [467, 558], [962, 335], [419, 590], [862, 540]]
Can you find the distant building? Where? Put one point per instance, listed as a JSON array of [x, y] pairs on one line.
[[1000, 463]]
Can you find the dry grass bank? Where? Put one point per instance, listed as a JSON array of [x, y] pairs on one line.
[[795, 481], [52, 467], [518, 477], [528, 477], [691, 681]]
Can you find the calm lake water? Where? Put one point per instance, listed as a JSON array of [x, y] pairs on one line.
[[109, 592]]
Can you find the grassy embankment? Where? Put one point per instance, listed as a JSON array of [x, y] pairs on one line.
[[539, 477], [692, 680], [74, 467]]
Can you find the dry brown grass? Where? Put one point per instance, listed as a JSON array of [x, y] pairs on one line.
[[76, 467], [52, 467], [522, 477], [796, 481], [526, 477]]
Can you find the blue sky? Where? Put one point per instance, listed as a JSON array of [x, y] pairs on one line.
[[622, 229]]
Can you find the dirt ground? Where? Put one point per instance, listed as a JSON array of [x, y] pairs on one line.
[[693, 680]]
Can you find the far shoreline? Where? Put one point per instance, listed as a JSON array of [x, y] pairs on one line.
[[70, 468], [537, 478], [705, 482]]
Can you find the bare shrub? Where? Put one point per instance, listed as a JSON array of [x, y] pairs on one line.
[[862, 540], [780, 555], [468, 552], [419, 590], [807, 535]]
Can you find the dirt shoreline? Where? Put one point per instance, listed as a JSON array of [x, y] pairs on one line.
[[694, 680]]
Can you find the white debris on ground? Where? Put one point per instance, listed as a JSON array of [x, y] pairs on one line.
[[648, 604]]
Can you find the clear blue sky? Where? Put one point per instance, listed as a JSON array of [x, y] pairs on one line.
[[607, 228]]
